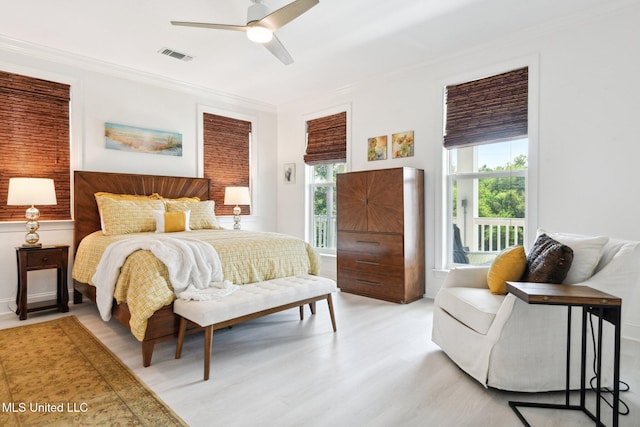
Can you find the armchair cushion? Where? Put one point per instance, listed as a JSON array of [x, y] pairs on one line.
[[548, 261], [508, 266], [474, 307]]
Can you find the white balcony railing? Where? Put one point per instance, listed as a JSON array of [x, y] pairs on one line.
[[324, 231], [489, 236], [496, 234]]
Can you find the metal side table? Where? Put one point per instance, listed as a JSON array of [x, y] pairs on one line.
[[607, 308]]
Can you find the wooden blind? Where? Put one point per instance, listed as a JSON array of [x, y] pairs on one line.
[[226, 157], [34, 140], [327, 140], [487, 110]]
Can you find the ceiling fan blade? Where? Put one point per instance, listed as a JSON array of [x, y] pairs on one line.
[[214, 26], [278, 50], [286, 14]]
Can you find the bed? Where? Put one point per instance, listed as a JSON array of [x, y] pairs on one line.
[[244, 256]]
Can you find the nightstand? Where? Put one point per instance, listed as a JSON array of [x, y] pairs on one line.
[[42, 258]]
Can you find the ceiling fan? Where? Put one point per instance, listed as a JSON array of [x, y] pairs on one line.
[[261, 24]]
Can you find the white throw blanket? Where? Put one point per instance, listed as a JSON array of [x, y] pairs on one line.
[[192, 264], [218, 289]]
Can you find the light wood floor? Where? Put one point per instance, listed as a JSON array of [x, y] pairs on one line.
[[379, 369]]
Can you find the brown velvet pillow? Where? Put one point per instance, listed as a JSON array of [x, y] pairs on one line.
[[548, 261]]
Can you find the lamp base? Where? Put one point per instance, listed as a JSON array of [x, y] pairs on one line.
[[32, 226], [236, 218], [32, 245]]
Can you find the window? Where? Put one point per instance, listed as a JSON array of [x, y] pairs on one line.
[[486, 146], [323, 198], [326, 156], [226, 153], [487, 187], [34, 129]]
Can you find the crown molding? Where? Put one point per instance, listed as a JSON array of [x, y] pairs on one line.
[[83, 63]]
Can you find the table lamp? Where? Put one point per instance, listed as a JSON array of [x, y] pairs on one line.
[[30, 192], [236, 196]]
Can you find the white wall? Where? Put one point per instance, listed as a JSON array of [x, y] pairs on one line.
[[100, 94], [586, 147], [585, 142]]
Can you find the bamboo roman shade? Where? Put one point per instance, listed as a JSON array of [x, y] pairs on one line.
[[226, 157], [34, 140], [327, 140], [487, 110]]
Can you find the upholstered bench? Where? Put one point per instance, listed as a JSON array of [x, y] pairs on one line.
[[250, 302]]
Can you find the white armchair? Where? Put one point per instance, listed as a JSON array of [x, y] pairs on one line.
[[508, 344]]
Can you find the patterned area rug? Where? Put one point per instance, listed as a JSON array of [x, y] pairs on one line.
[[58, 373]]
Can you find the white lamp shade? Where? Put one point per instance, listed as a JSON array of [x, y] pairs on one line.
[[31, 191], [237, 196]]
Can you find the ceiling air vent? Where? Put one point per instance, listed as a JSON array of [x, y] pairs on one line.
[[174, 54]]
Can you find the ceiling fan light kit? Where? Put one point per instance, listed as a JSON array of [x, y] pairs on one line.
[[261, 25], [259, 34]]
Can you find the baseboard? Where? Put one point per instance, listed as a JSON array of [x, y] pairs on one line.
[[8, 305], [631, 331]]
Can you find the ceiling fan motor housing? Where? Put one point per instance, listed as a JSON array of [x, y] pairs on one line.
[[256, 12]]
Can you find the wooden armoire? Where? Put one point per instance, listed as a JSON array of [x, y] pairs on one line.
[[380, 216]]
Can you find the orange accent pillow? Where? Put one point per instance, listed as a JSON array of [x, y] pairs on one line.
[[171, 222]]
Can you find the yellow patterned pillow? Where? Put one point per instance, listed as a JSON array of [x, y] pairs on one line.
[[124, 216], [202, 216], [507, 267], [170, 222], [102, 195]]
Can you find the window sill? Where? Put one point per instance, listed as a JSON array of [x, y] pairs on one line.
[[327, 254]]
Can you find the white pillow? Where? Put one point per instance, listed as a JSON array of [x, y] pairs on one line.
[[587, 251]]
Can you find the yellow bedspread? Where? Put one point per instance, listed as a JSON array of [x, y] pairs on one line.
[[246, 256]]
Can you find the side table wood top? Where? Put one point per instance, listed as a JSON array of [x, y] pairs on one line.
[[546, 293]]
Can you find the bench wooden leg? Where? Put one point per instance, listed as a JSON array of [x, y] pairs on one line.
[[208, 340], [333, 318], [302, 312], [312, 306], [181, 332]]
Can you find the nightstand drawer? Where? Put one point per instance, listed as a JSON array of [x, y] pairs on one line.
[[382, 245], [44, 258]]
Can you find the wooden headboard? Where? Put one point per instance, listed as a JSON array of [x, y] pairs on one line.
[[86, 184]]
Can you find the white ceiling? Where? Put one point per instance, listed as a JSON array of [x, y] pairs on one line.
[[336, 43]]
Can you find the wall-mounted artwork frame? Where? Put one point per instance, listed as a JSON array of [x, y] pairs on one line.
[[377, 148], [141, 140], [289, 173], [402, 144]]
